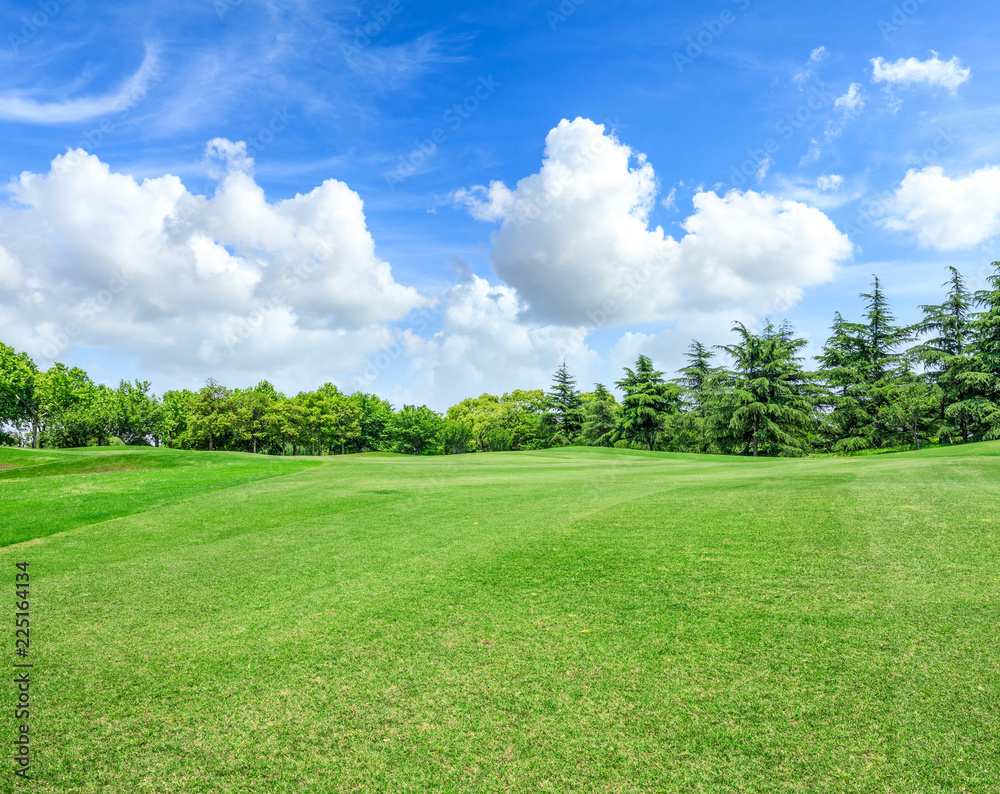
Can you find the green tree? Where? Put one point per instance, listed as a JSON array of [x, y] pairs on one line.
[[881, 339], [414, 430], [21, 400], [175, 406], [375, 414], [455, 436], [566, 407], [600, 418], [647, 403], [765, 402], [846, 424], [910, 414], [985, 378], [135, 413], [950, 355], [212, 418], [695, 382]]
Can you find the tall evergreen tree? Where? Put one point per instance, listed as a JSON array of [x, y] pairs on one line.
[[881, 359], [950, 356], [647, 403], [765, 403], [566, 406], [985, 377], [696, 381], [847, 424], [600, 418]]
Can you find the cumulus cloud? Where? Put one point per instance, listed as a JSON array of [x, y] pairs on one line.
[[575, 240], [17, 106], [231, 282], [486, 345], [911, 71], [945, 213]]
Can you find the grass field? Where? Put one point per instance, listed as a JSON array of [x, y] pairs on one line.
[[567, 620]]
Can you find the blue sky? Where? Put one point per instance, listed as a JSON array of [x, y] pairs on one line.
[[728, 160]]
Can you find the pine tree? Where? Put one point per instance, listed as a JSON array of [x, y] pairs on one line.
[[950, 354], [880, 359], [765, 402], [566, 406], [847, 424], [600, 418], [695, 383], [647, 403], [985, 378]]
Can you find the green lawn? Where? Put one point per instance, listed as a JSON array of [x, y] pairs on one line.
[[567, 620]]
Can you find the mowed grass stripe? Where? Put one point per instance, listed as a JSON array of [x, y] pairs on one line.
[[564, 620]]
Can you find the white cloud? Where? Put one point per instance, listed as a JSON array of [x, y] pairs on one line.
[[575, 240], [830, 182], [11, 272], [912, 71], [188, 283], [764, 167], [486, 345], [818, 55], [15, 106], [851, 103], [945, 213]]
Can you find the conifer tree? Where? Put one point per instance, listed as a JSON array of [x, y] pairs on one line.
[[986, 350], [600, 418], [765, 403], [647, 403], [566, 406], [696, 382], [950, 354]]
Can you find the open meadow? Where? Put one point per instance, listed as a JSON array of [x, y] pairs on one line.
[[579, 619]]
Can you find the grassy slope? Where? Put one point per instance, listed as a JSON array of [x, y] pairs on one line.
[[564, 620]]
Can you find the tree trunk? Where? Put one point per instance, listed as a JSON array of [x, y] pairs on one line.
[[295, 449], [755, 438], [255, 445], [34, 435], [210, 443], [341, 446]]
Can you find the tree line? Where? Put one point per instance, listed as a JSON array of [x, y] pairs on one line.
[[876, 385]]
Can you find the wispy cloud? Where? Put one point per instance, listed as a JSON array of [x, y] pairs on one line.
[[817, 56], [19, 106], [392, 67]]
